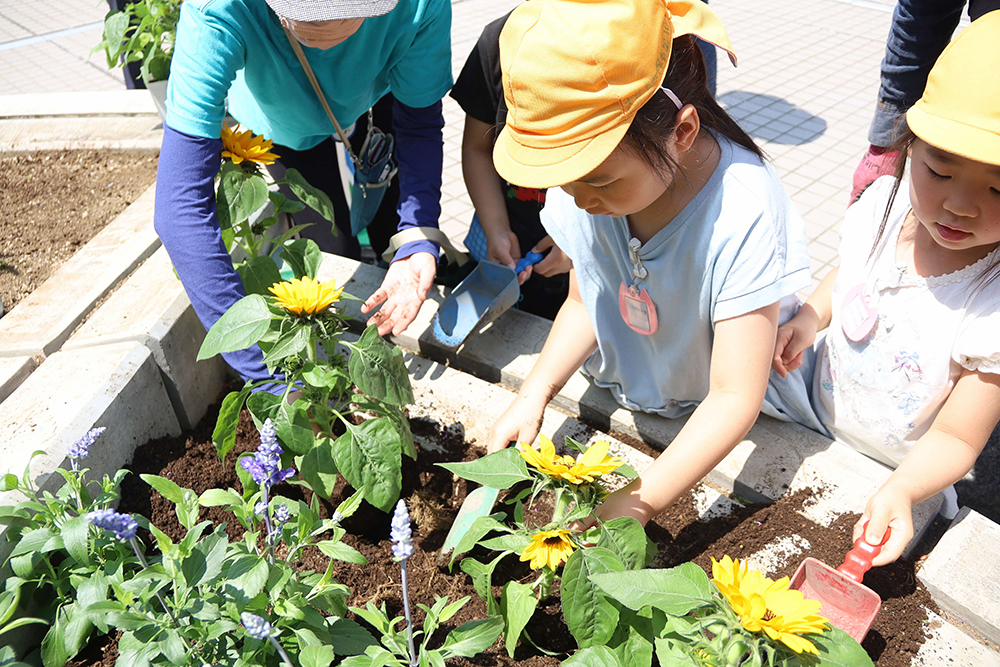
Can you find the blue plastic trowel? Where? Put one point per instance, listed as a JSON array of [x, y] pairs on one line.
[[479, 299]]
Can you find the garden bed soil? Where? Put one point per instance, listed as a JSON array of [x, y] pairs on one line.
[[434, 496], [53, 202]]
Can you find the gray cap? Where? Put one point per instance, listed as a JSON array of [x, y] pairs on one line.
[[312, 11]]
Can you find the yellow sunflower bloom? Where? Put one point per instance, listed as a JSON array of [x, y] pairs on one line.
[[592, 463], [763, 605], [305, 296], [548, 547], [239, 146]]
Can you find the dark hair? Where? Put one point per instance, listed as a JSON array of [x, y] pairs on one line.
[[903, 142], [653, 125]]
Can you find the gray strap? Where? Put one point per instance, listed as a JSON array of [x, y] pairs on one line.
[[425, 234]]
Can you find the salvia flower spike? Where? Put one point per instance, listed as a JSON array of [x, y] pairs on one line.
[[81, 448], [258, 628], [122, 525], [265, 465], [400, 532]]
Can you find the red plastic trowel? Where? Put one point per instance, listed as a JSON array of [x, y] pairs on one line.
[[847, 603]]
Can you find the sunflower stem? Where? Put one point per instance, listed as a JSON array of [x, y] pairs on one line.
[[311, 347], [545, 581], [562, 503]]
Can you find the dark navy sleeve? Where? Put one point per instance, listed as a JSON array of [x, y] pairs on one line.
[[185, 220], [420, 155]]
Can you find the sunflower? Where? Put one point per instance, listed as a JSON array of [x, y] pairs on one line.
[[769, 606], [592, 463], [239, 146], [305, 296], [548, 547]]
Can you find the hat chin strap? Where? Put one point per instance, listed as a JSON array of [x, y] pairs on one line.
[[673, 96]]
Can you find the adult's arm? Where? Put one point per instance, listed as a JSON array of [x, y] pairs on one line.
[[186, 222], [420, 155]]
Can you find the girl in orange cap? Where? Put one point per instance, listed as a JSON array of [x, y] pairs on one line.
[[909, 370], [682, 239]]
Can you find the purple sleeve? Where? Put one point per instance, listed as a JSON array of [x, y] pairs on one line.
[[185, 220], [420, 155]]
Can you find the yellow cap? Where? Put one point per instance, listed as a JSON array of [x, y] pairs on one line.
[[575, 73], [960, 108]]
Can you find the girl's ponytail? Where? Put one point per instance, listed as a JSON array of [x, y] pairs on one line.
[[653, 125]]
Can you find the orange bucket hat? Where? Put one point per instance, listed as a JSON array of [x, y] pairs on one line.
[[960, 108], [576, 72]]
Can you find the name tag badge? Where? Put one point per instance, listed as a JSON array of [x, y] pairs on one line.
[[858, 313], [638, 310]]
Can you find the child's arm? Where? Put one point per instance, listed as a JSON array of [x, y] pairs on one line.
[[941, 457], [741, 357], [486, 191], [571, 340], [798, 333]]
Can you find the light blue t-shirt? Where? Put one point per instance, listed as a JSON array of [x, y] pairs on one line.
[[739, 245], [238, 49]]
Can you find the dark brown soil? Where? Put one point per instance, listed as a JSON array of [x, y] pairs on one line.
[[434, 496], [53, 202]]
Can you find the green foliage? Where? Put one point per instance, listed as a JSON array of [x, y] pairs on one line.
[[143, 32]]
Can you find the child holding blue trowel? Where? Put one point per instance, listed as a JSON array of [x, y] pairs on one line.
[[506, 225], [682, 239]]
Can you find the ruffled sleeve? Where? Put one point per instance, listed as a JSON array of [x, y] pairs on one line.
[[977, 346]]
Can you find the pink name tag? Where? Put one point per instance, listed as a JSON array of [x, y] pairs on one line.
[[858, 314], [637, 309]]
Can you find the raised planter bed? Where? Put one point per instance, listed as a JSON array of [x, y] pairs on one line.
[[468, 406]]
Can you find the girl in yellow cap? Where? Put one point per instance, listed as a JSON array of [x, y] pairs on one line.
[[682, 239], [909, 369]]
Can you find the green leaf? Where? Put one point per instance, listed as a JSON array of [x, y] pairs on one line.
[[42, 540], [246, 578], [482, 580], [290, 343], [517, 604], [239, 327], [314, 198], [219, 498], [304, 256], [349, 638], [316, 656], [669, 652], [75, 532], [167, 488], [402, 426], [625, 537], [481, 527], [590, 616], [472, 638], [8, 482], [837, 649], [368, 457], [632, 640], [340, 551], [224, 435], [378, 370], [514, 542], [318, 467], [676, 591], [597, 656], [115, 25], [499, 470], [258, 274], [239, 196]]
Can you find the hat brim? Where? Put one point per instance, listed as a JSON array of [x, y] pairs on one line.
[[548, 167], [955, 137], [313, 11]]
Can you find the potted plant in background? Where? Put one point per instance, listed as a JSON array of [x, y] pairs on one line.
[[143, 32]]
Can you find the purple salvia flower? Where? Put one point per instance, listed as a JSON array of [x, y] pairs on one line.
[[265, 465], [81, 448], [122, 525], [399, 531], [260, 509], [256, 626], [281, 514]]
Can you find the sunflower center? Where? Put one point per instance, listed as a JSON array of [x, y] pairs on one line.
[[553, 541], [769, 615]]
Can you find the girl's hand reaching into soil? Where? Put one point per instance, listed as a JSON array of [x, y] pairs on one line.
[[520, 422], [891, 509]]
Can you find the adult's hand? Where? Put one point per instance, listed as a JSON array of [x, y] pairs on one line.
[[402, 292]]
